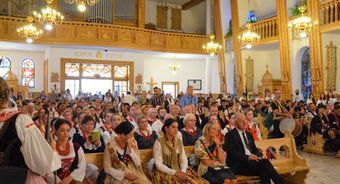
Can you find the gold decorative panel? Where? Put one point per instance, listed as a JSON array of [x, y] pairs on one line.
[[162, 17], [176, 19], [249, 73], [331, 66], [93, 34]]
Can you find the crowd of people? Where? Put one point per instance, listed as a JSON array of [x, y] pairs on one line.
[[52, 134]]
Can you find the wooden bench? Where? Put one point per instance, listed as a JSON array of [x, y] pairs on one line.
[[289, 164], [264, 131], [338, 154], [315, 143]]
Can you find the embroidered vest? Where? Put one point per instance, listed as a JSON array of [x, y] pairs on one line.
[[10, 154]]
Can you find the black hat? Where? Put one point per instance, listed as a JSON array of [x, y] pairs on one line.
[[321, 106]]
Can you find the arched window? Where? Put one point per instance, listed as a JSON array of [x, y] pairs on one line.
[[306, 79], [28, 73], [5, 66]]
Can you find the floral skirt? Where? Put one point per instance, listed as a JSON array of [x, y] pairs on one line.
[[141, 178], [162, 178]]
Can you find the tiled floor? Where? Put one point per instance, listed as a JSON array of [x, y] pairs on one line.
[[324, 169]]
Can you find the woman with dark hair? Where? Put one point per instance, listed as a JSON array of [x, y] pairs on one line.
[[170, 159], [89, 139], [41, 122], [25, 154], [122, 162], [144, 135], [322, 99], [311, 99], [72, 156]]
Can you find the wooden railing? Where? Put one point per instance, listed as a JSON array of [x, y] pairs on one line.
[[330, 12], [94, 34], [330, 15], [266, 28]]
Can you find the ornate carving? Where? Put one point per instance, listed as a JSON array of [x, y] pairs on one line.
[[139, 79], [109, 35], [250, 73], [54, 77], [331, 66]]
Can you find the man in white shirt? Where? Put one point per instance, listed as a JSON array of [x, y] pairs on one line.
[[129, 98], [298, 96]]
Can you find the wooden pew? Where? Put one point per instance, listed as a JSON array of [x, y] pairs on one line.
[[289, 164], [338, 154], [264, 131], [315, 143]]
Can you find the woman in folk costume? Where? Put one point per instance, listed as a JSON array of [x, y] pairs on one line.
[[122, 162], [25, 156], [170, 159], [208, 149], [73, 161]]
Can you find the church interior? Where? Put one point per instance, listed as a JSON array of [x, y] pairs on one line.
[[269, 63]]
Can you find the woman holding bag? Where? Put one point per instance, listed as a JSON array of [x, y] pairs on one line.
[[208, 149]]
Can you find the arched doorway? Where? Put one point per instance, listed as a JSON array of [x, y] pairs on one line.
[[306, 79]]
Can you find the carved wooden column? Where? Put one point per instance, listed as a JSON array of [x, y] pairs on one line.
[[220, 40], [282, 20], [237, 51], [315, 45], [141, 13]]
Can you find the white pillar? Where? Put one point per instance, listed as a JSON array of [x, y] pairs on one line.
[[208, 61], [208, 16]]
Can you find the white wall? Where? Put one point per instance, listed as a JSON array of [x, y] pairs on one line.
[[262, 57], [148, 65], [17, 57], [193, 19], [326, 39]]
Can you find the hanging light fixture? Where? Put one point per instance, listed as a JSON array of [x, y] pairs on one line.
[[48, 16], [212, 47], [302, 25], [173, 67], [29, 31], [81, 4], [248, 36]]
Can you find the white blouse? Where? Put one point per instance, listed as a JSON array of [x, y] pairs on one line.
[[116, 173], [38, 154], [157, 154], [77, 174]]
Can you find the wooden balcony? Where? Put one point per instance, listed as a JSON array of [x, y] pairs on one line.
[[329, 15], [93, 34]]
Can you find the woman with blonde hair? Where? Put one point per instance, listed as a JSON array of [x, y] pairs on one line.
[[208, 149]]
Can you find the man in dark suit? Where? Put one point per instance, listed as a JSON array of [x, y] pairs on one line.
[[243, 156]]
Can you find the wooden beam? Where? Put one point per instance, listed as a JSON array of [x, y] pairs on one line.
[[191, 4]]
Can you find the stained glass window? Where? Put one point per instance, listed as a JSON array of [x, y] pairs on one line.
[[96, 70], [28, 73], [121, 71], [306, 79], [5, 66], [72, 69], [251, 17]]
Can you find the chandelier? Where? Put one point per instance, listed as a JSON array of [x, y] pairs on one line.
[[211, 47], [173, 67], [81, 4], [29, 31], [48, 16], [302, 25], [248, 36]]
